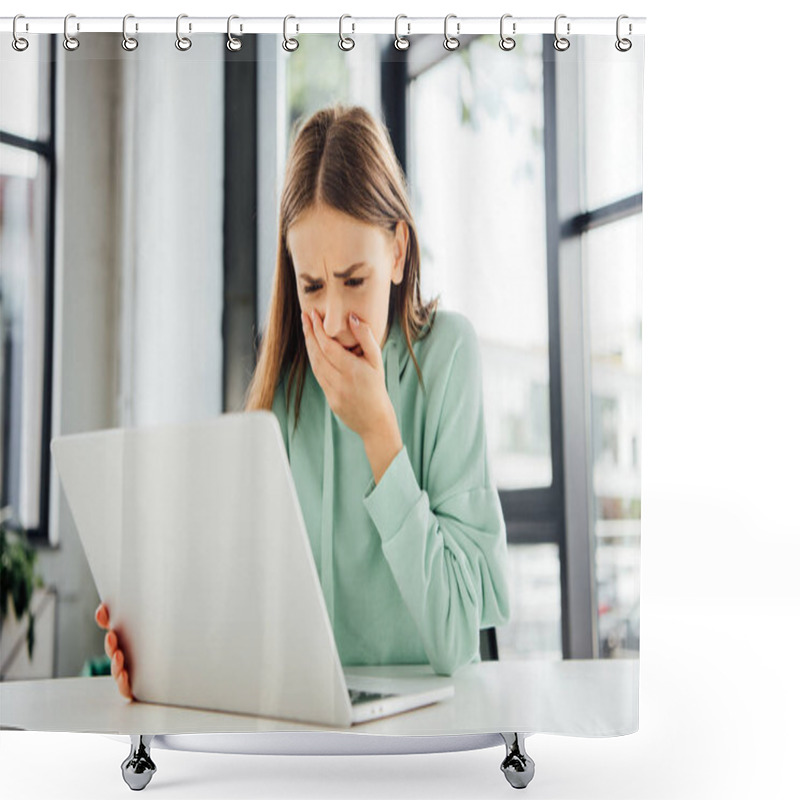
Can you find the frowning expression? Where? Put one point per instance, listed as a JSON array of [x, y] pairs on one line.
[[344, 265]]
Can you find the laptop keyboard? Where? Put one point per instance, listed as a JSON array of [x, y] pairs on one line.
[[357, 696]]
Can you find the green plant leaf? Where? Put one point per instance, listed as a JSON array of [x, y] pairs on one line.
[[18, 577]]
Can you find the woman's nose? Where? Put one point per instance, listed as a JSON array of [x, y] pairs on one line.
[[335, 321]]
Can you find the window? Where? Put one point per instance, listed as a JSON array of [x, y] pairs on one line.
[[610, 230], [612, 255], [26, 282], [321, 74], [552, 285], [316, 76], [467, 115], [476, 128]]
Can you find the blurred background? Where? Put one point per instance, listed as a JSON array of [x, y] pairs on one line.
[[138, 223]]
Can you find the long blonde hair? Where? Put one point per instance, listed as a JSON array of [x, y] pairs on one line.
[[344, 158]]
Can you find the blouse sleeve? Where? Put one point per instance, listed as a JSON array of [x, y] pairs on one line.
[[446, 545]]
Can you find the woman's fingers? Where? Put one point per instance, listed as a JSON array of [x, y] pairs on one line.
[[124, 684], [117, 661], [111, 646], [101, 615], [330, 349], [323, 369]]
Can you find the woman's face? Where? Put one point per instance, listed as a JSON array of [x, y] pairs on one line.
[[341, 265]]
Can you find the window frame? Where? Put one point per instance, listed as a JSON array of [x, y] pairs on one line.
[[562, 513], [567, 119], [240, 225], [45, 148]]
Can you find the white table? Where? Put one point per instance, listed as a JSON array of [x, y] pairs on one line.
[[594, 698]]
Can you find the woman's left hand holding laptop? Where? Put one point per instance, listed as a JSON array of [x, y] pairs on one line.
[[114, 652]]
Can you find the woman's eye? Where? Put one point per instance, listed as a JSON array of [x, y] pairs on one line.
[[313, 287]]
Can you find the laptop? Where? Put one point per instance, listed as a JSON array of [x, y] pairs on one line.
[[196, 541]]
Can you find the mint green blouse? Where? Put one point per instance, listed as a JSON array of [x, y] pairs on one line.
[[413, 567]]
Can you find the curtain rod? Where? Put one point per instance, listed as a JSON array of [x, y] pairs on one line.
[[406, 26]]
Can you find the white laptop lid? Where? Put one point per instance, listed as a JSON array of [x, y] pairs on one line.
[[195, 525]]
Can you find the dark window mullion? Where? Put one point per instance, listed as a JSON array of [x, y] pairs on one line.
[[552, 227], [40, 146], [40, 535], [603, 215], [240, 227], [394, 97]]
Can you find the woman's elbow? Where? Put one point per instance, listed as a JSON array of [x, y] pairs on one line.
[[452, 655], [446, 665]]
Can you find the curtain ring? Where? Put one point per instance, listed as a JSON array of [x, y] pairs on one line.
[[345, 42], [70, 42], [233, 44], [18, 43], [451, 42], [623, 45], [290, 45], [507, 42], [129, 43], [561, 43], [183, 43], [400, 42]]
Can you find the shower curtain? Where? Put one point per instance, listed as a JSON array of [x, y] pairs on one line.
[[143, 196]]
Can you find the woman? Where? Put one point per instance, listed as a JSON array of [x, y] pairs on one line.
[[379, 400]]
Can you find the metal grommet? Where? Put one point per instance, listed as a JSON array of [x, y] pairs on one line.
[[128, 42], [18, 42], [233, 44], [290, 45], [451, 42], [345, 42], [623, 45], [183, 43], [70, 42], [561, 43], [400, 42], [506, 42]]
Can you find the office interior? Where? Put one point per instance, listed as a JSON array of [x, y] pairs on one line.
[[138, 223]]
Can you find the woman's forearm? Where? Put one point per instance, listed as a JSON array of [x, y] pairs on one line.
[[383, 444]]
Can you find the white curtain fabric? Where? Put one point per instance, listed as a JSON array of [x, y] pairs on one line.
[[171, 140]]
